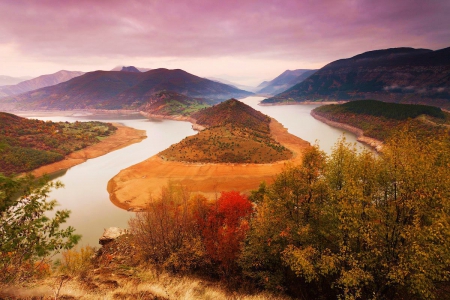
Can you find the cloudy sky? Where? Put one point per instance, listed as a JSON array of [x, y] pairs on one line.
[[244, 41]]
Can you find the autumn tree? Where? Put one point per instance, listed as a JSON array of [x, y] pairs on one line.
[[224, 229], [166, 232], [376, 228]]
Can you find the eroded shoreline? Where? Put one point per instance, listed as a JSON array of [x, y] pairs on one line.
[[134, 187], [375, 144], [124, 136]]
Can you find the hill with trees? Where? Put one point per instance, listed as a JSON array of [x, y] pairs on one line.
[[120, 90], [28, 144], [380, 119], [235, 133], [167, 103], [403, 75]]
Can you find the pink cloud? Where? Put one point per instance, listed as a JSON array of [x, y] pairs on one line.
[[313, 30]]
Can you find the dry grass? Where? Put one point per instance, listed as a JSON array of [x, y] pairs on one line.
[[144, 284]]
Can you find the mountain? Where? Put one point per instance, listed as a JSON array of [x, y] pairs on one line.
[[120, 68], [284, 81], [8, 80], [167, 103], [121, 90], [404, 75], [38, 82], [130, 69]]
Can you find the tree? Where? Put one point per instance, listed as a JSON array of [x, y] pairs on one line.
[[166, 231], [27, 235], [225, 228]]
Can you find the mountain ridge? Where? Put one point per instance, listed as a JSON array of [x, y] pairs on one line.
[[121, 90], [404, 75], [38, 82]]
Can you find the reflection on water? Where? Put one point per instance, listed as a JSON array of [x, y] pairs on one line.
[[85, 185]]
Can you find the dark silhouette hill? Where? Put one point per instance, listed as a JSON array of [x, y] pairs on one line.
[[404, 75], [121, 90]]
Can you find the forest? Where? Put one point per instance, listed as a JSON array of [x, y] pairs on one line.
[[27, 144], [378, 119], [348, 225]]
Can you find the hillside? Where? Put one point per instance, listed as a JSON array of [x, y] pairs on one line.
[[403, 75], [121, 90], [284, 81], [380, 119], [171, 103], [28, 144], [38, 82], [236, 133], [9, 80]]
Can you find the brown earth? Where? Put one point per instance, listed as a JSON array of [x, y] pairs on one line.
[[124, 136], [133, 187]]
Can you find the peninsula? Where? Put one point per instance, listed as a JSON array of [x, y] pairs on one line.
[[238, 149]]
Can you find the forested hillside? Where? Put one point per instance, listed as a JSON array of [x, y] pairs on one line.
[[378, 119], [402, 75], [28, 144], [236, 133]]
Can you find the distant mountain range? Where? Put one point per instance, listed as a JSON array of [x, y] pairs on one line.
[[120, 90], [236, 85], [284, 81], [404, 75], [8, 80], [38, 82]]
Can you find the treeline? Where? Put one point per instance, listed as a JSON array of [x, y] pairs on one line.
[[27, 144], [380, 119], [350, 225], [387, 110]]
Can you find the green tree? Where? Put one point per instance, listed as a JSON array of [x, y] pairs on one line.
[[27, 235]]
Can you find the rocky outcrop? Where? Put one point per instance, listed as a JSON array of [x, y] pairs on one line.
[[110, 234]]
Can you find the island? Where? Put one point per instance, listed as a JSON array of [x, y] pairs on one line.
[[238, 149]]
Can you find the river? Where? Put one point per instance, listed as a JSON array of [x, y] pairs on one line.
[[85, 185]]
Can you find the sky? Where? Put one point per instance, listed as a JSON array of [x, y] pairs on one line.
[[244, 41]]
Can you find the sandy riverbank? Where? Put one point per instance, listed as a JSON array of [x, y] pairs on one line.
[[302, 103], [133, 187], [124, 136], [371, 142], [195, 126]]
